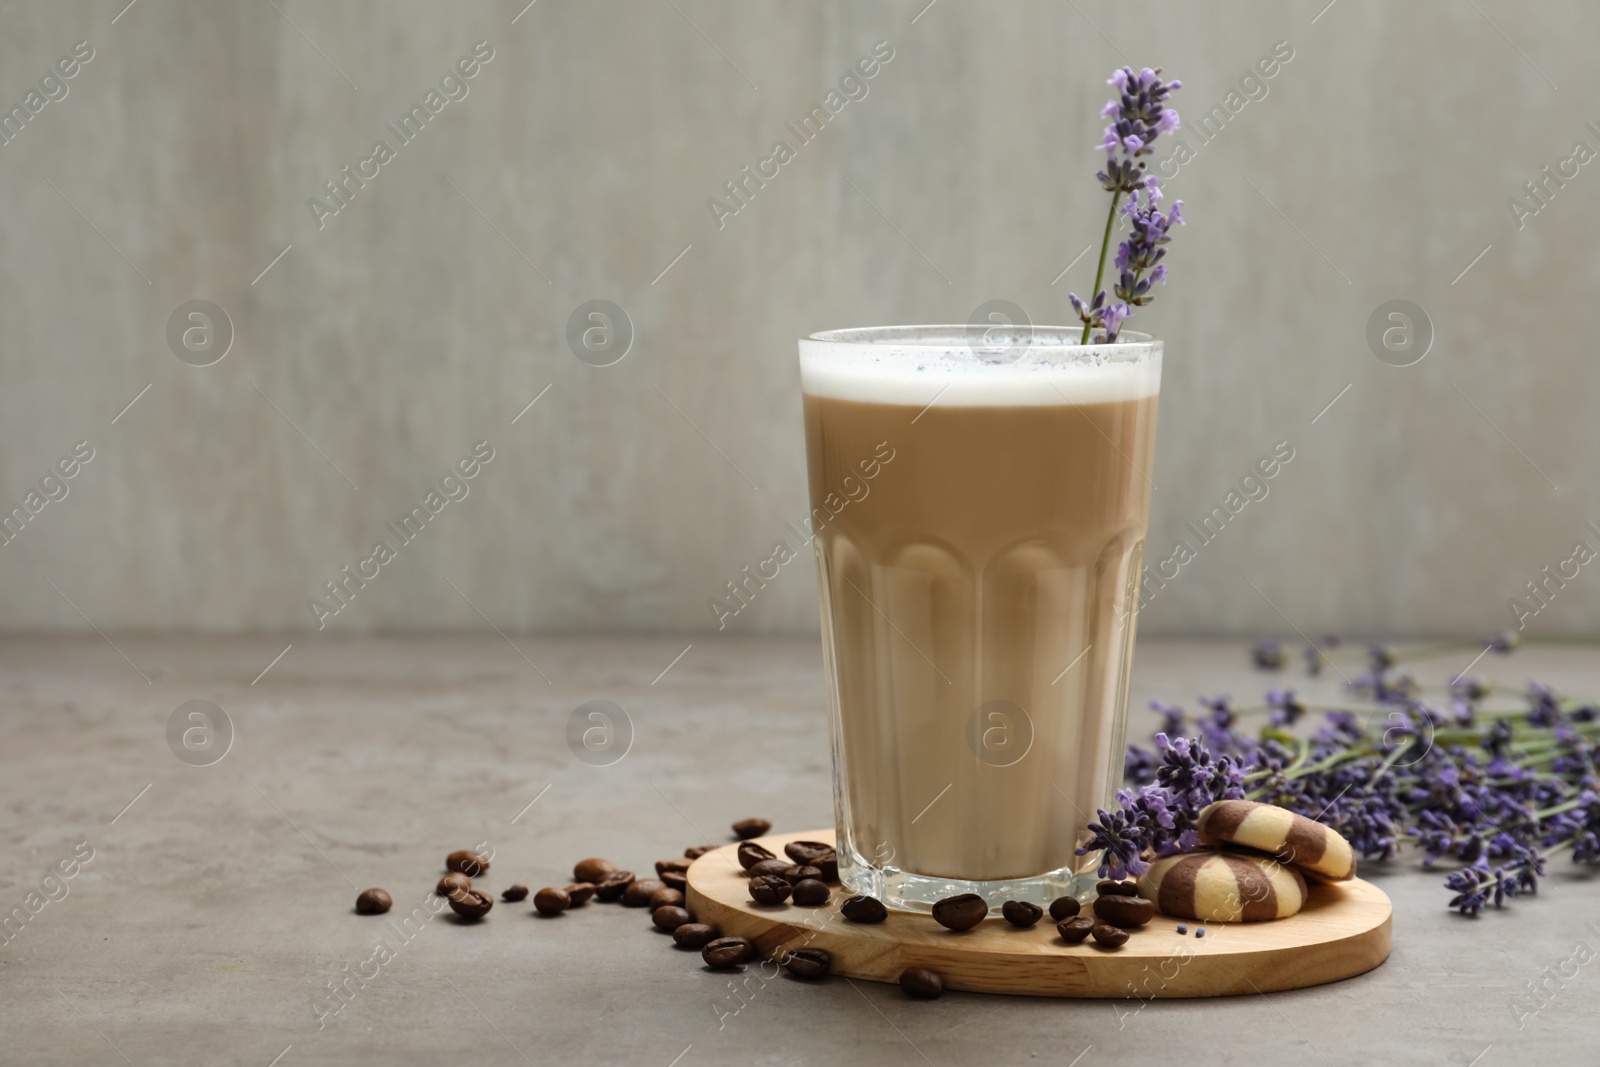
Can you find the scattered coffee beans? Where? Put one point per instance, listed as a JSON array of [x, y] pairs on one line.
[[471, 903], [864, 910], [961, 912], [514, 893], [639, 892], [593, 870], [815, 854], [775, 867], [1106, 887], [551, 901], [1126, 912], [694, 935], [1075, 929], [725, 952], [374, 902], [808, 962], [675, 880], [926, 984], [797, 874], [663, 866], [745, 829], [451, 884], [669, 917], [1064, 908], [694, 852], [803, 852], [611, 886], [810, 893], [1110, 936], [468, 862], [664, 897], [769, 889], [751, 854], [1018, 913], [581, 893]]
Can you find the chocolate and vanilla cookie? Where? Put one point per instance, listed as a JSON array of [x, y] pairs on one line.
[[1291, 838], [1224, 887]]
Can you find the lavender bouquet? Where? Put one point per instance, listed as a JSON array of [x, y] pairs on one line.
[[1138, 115], [1497, 791]]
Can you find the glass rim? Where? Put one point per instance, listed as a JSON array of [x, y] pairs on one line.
[[973, 335]]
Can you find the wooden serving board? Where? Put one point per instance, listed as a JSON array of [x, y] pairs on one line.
[[1343, 930]]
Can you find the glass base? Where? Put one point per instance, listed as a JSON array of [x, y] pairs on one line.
[[908, 891]]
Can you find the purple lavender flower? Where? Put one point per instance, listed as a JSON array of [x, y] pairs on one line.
[[1267, 654], [1171, 717], [1120, 837], [1286, 709], [1138, 115]]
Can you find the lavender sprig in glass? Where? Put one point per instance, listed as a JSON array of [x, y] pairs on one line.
[[1138, 115]]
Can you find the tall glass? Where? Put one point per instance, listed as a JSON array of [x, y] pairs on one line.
[[979, 514]]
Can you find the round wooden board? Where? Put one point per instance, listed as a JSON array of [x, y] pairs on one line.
[[1344, 930]]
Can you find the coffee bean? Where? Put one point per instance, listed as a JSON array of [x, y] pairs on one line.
[[923, 983], [451, 884], [514, 893], [675, 880], [581, 893], [810, 893], [694, 852], [961, 912], [815, 854], [725, 952], [751, 854], [1020, 913], [694, 935], [1107, 887], [638, 893], [612, 885], [864, 910], [774, 867], [745, 829], [663, 866], [803, 852], [797, 874], [551, 901], [769, 889], [808, 962], [593, 870], [374, 902], [669, 917], [664, 897], [471, 903], [1110, 936], [1064, 908], [468, 862], [1126, 912], [1075, 929]]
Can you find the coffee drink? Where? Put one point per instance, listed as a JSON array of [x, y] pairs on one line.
[[979, 518]]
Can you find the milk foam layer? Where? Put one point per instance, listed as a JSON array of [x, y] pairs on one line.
[[916, 365]]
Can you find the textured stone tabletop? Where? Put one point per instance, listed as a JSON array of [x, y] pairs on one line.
[[215, 912]]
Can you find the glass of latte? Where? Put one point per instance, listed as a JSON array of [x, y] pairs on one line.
[[979, 503]]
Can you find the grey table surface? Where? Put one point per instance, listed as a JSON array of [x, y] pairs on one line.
[[215, 913]]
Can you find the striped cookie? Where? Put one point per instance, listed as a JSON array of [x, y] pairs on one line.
[[1223, 887], [1291, 838]]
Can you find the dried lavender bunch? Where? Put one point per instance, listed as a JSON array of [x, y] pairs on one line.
[[1499, 791], [1138, 115]]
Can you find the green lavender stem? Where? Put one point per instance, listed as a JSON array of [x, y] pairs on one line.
[[1105, 246]]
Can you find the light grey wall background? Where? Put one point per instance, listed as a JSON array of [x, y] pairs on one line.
[[424, 316]]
